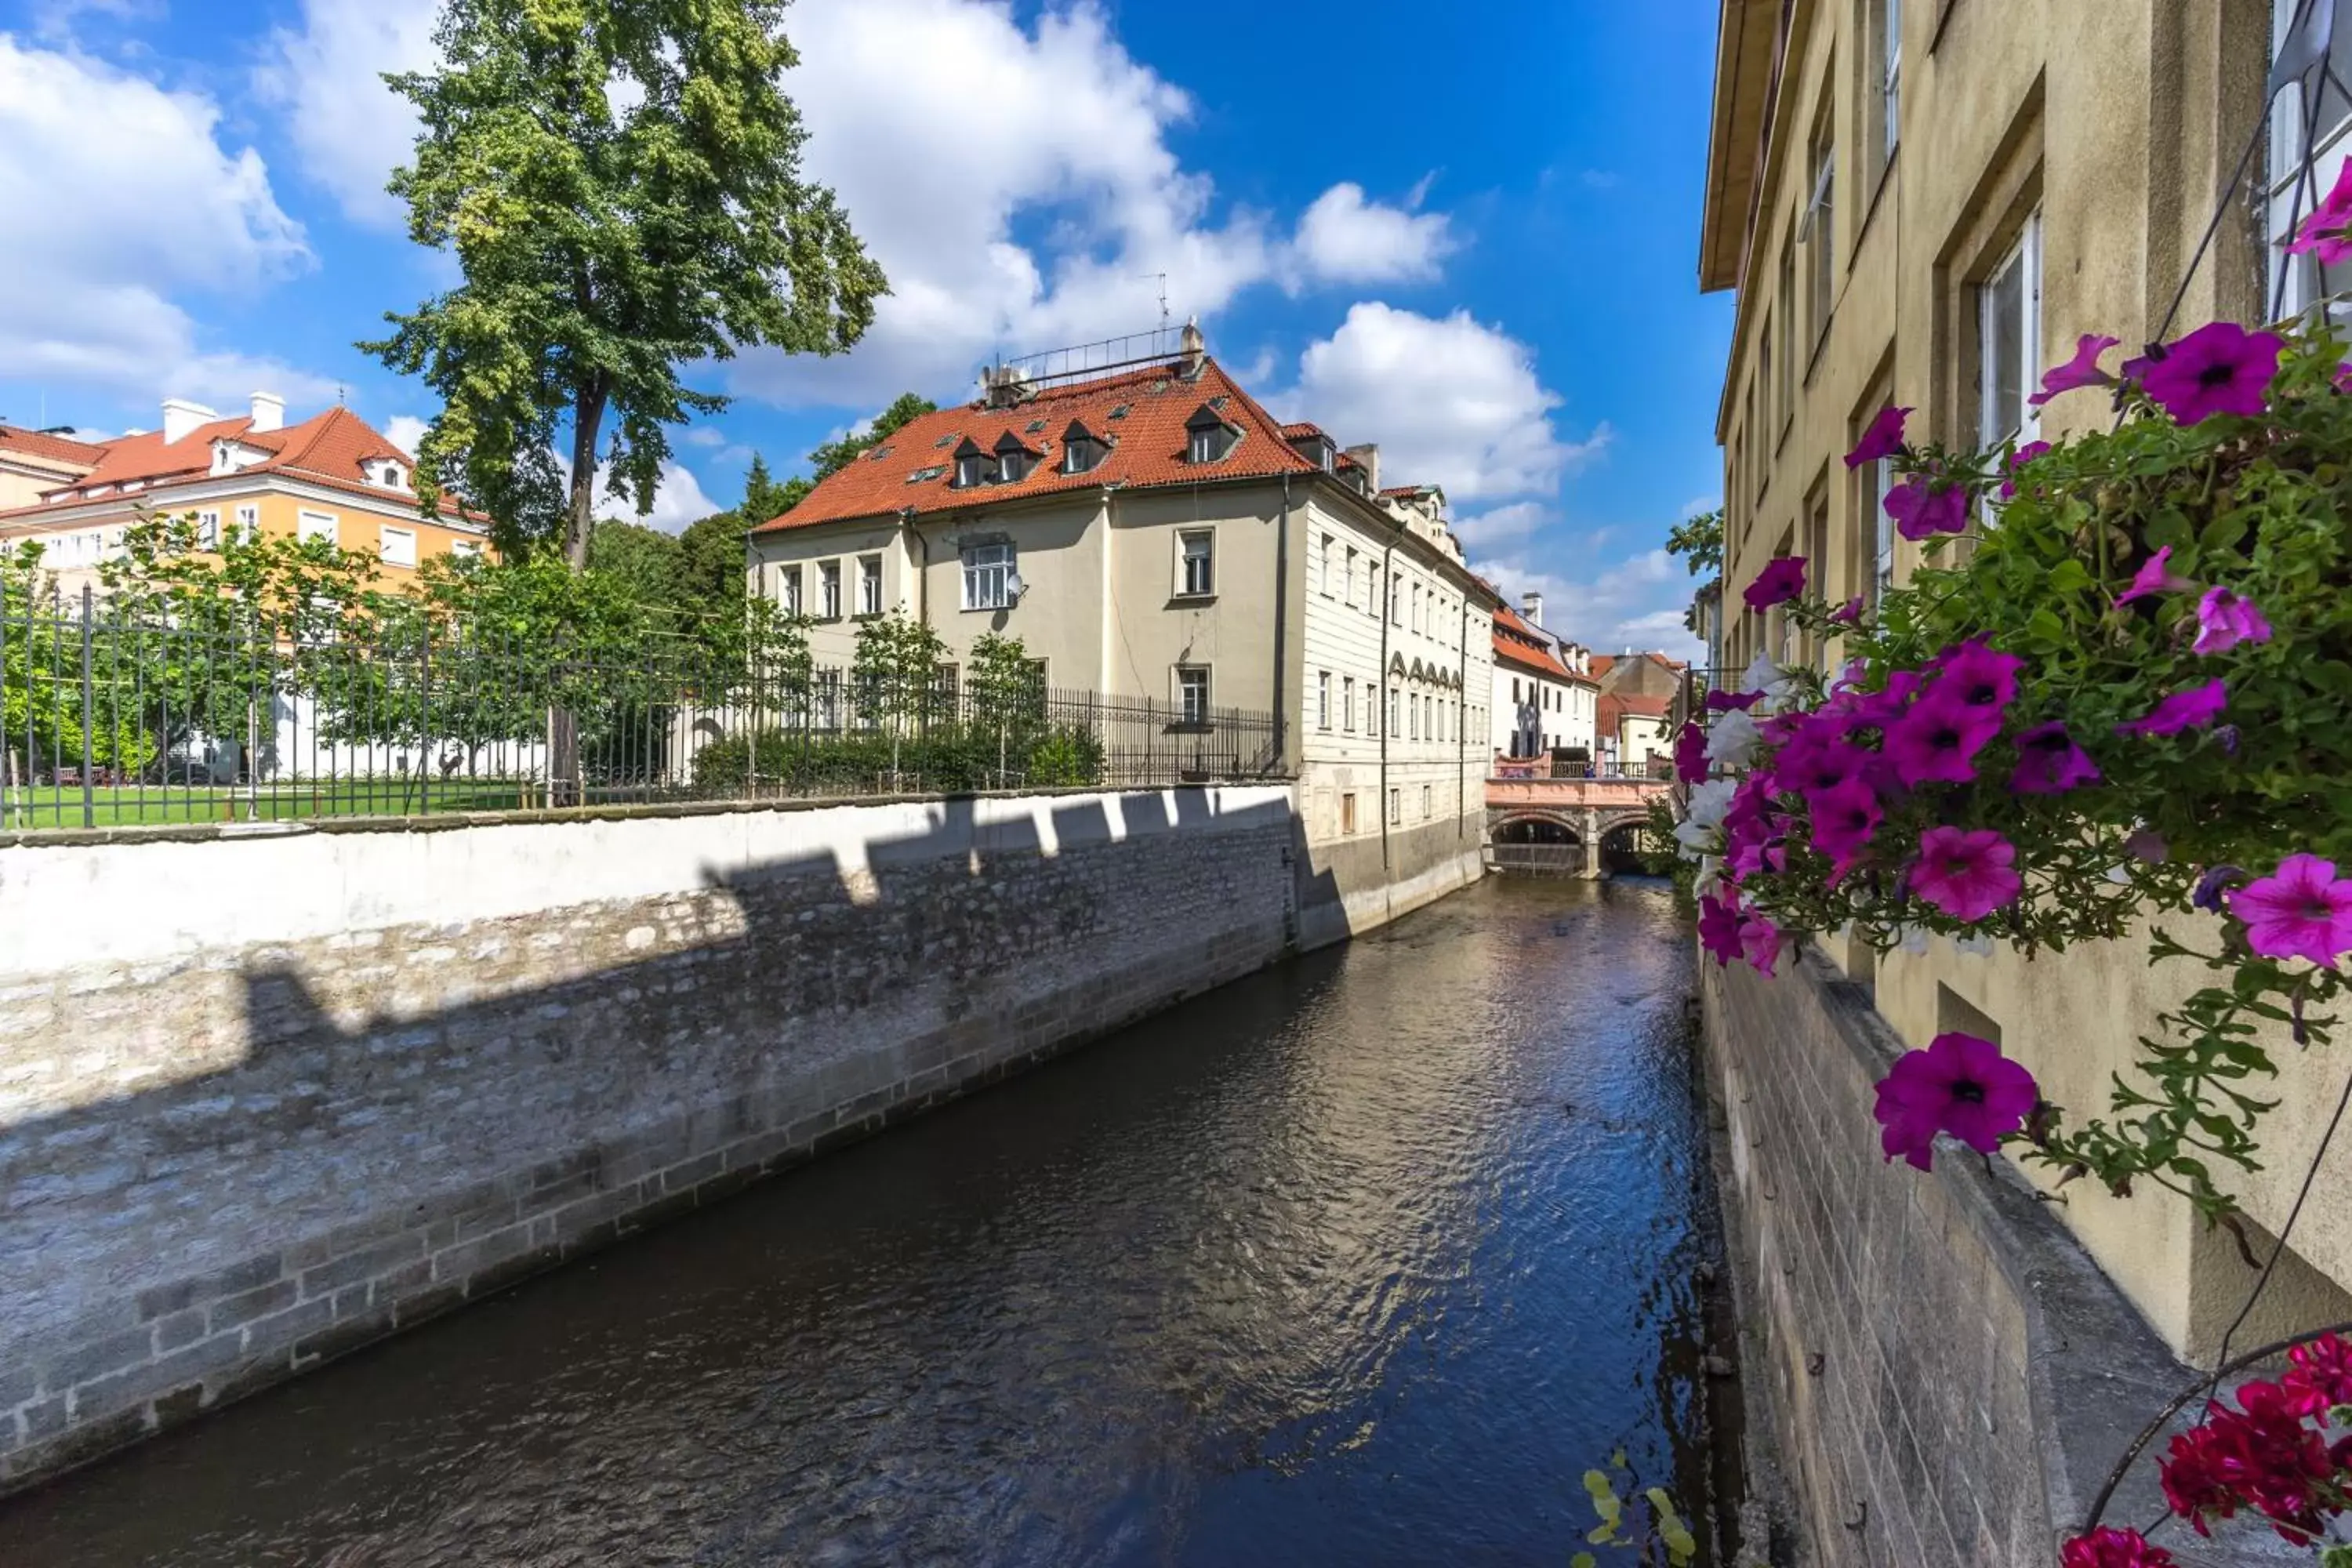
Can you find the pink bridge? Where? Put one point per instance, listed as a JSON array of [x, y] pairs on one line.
[[1558, 824]]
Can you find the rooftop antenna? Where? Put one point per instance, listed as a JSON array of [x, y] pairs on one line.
[[1163, 296]]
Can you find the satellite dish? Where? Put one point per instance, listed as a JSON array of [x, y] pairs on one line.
[[1012, 584]]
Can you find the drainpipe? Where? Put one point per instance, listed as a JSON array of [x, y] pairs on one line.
[[923, 572], [1462, 725], [1386, 597], [1281, 619]]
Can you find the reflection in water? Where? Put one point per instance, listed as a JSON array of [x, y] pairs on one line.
[[1361, 1260]]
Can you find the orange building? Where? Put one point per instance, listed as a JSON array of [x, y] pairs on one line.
[[330, 476]]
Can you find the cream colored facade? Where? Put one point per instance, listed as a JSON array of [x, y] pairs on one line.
[[1931, 219], [1350, 614]]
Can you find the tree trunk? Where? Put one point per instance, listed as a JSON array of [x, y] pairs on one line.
[[587, 421]]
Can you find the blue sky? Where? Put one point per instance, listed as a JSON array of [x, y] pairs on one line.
[[1472, 241]]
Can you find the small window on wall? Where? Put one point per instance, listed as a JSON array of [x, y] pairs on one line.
[[1427, 807], [1325, 574], [398, 547], [1192, 692], [1195, 563], [869, 584], [1346, 811], [1817, 231], [1348, 703], [828, 590], [208, 529], [1323, 700], [1886, 43], [788, 588], [987, 577], [2009, 340], [248, 525], [2315, 112], [1396, 807], [316, 525], [465, 549]]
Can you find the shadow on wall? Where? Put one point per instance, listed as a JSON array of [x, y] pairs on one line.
[[355, 1161]]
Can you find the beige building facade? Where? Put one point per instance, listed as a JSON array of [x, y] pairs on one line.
[[1925, 203], [1154, 534]]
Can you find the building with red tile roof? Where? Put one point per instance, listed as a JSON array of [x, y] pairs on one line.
[[1543, 702], [33, 462], [330, 476], [1151, 532]]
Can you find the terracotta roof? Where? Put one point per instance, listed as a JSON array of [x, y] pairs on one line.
[[1299, 429], [1517, 644], [1141, 413], [326, 448], [57, 449], [1613, 707]]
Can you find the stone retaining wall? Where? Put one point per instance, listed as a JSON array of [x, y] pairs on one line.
[[266, 1099]]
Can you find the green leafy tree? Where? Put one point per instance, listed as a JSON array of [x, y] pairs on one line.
[[832, 457], [648, 563], [620, 183], [764, 499], [896, 671], [710, 577], [1699, 540]]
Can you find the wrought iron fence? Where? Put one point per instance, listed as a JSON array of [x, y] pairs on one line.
[[106, 722]]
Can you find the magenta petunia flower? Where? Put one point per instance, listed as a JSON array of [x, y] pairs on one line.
[[1780, 581], [2155, 576], [1965, 875], [1937, 740], [1690, 754], [1884, 438], [2301, 910], [2017, 461], [1961, 1085], [2083, 370], [1721, 701], [1845, 817], [1976, 675], [1848, 613], [2319, 1375], [1719, 929], [1760, 944], [2219, 368], [2327, 232], [1922, 508], [1812, 767], [2050, 763], [2193, 709], [2107, 1547], [2225, 619]]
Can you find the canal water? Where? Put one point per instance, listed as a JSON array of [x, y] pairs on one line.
[[1363, 1260]]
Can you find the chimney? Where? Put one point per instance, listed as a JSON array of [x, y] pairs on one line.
[[1195, 347], [268, 411], [1531, 606], [1369, 456], [182, 417]]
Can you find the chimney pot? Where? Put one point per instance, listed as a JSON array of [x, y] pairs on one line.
[[182, 417], [1369, 455], [1531, 606], [268, 411]]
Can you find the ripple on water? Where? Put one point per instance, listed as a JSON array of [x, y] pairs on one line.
[[1363, 1259]]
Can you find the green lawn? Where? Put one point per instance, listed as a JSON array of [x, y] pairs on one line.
[[60, 806]]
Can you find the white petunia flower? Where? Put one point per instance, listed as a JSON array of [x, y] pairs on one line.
[[1734, 740]]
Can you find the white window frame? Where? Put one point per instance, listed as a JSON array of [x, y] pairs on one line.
[[310, 525], [788, 587], [2294, 282], [1323, 701], [248, 525], [1192, 692], [869, 584], [2025, 254], [208, 530], [1348, 595], [828, 590], [988, 570], [1396, 806], [465, 549], [1348, 703], [1330, 549], [1890, 81], [1190, 584], [395, 546]]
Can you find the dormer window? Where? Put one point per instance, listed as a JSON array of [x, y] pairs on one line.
[[1081, 448], [974, 466], [1207, 437], [390, 476], [1014, 458]]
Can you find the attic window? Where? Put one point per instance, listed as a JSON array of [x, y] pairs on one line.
[[974, 466], [1207, 436], [923, 476], [1012, 468], [948, 440], [878, 453], [1035, 426], [1121, 412]]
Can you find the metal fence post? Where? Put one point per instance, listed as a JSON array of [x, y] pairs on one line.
[[425, 760], [89, 792]]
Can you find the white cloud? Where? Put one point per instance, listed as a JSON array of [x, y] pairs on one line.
[[1636, 604], [1023, 205], [405, 431], [349, 129], [1503, 525], [1342, 238], [1450, 401], [126, 202], [678, 497]]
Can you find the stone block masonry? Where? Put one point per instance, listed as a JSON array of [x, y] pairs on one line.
[[267, 1097], [1946, 1376]]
